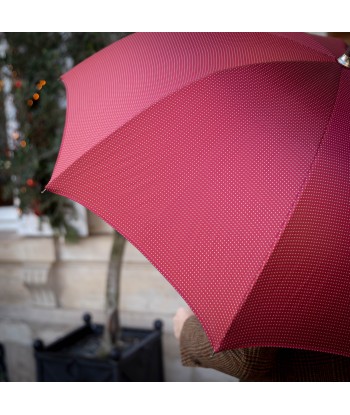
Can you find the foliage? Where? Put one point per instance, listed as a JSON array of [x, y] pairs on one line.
[[33, 63]]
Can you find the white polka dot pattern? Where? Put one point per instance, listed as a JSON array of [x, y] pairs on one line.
[[224, 158], [114, 85]]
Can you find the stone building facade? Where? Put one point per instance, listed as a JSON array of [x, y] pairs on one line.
[[46, 288]]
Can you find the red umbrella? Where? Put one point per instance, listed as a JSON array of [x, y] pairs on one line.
[[224, 158]]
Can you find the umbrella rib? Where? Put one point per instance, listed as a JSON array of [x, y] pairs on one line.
[[289, 214], [126, 123], [306, 46]]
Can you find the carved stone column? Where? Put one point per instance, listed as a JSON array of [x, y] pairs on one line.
[[37, 277], [35, 258]]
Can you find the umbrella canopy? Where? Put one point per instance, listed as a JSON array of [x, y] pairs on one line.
[[225, 159]]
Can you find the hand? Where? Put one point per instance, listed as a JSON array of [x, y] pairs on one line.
[[179, 319]]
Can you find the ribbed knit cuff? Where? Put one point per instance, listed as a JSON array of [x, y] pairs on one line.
[[195, 347], [254, 363]]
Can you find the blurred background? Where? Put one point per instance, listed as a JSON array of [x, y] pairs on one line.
[[55, 255]]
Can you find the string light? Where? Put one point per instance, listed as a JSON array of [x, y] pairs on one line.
[[23, 143], [30, 182], [39, 85]]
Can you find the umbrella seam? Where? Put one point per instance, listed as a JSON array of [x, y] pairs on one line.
[[126, 123], [306, 46], [169, 278], [294, 204]]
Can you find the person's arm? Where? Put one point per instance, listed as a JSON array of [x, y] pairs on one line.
[[249, 364]]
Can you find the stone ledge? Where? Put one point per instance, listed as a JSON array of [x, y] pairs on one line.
[[57, 316], [42, 249], [132, 254], [97, 226], [90, 249], [73, 318], [27, 249]]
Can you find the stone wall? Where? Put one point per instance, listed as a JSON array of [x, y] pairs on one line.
[[46, 288]]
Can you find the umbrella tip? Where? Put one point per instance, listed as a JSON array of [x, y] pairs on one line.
[[345, 58], [43, 191]]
